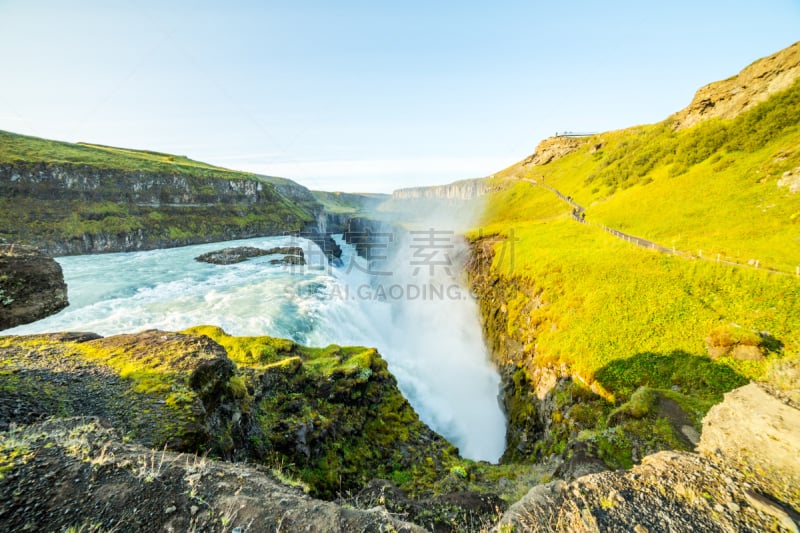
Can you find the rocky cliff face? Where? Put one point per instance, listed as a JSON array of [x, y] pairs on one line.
[[744, 478], [459, 190], [70, 209], [368, 235], [754, 84], [49, 182], [31, 286], [551, 408], [528, 390], [325, 420], [335, 414], [554, 148]]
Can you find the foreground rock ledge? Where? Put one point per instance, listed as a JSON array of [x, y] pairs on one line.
[[75, 473], [745, 478]]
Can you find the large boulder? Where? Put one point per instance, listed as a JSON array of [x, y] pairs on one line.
[[31, 286], [758, 432]]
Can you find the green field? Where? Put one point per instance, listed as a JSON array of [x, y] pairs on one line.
[[622, 317]]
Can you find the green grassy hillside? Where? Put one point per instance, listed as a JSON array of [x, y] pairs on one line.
[[711, 188], [23, 149], [621, 317]]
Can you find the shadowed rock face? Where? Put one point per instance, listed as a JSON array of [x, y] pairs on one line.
[[31, 286]]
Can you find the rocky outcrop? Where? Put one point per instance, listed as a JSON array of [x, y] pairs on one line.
[[756, 431], [554, 148], [791, 180], [31, 286], [76, 474], [230, 256], [330, 421], [745, 478], [754, 84], [237, 254], [124, 380], [65, 182], [369, 235], [333, 416], [669, 491], [459, 190]]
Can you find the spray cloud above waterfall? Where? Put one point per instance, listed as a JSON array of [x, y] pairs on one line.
[[413, 270]]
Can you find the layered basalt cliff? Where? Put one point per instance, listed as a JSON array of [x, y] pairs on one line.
[[74, 209], [69, 199], [459, 190]]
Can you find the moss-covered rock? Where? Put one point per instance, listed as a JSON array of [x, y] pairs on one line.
[[332, 417], [158, 388]]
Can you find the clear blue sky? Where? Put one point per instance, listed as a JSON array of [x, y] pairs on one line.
[[365, 95]]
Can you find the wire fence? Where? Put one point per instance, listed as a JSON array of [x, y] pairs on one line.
[[579, 215]]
